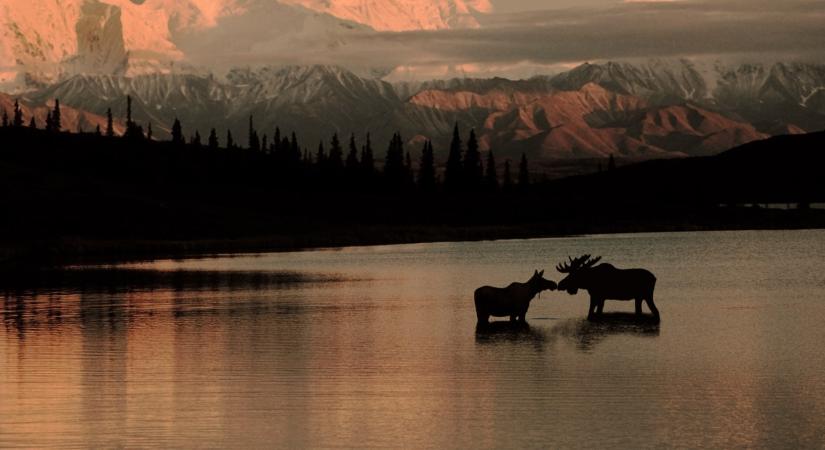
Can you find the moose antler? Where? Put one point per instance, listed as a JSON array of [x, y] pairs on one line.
[[582, 262]]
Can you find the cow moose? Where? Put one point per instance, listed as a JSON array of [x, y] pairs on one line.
[[512, 301], [605, 282]]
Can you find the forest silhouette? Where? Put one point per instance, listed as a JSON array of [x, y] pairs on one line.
[[99, 191]]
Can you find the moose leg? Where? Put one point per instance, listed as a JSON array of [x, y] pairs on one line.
[[600, 307], [591, 312], [638, 306], [652, 307], [513, 318]]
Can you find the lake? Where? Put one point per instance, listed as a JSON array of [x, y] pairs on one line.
[[377, 347]]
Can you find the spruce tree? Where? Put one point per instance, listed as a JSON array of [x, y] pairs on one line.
[[196, 140], [97, 130], [507, 179], [611, 163], [5, 118], [453, 173], [394, 162], [491, 177], [321, 156], [18, 115], [128, 112], [149, 131], [523, 173], [230, 143], [57, 124], [368, 158], [276, 144], [110, 129], [294, 151], [177, 133], [472, 163], [33, 124], [213, 139], [352, 156], [336, 162], [426, 170], [254, 142], [49, 122]]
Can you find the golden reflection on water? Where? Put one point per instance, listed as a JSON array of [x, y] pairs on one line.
[[378, 347]]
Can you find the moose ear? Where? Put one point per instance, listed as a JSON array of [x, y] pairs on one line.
[[541, 274], [536, 272]]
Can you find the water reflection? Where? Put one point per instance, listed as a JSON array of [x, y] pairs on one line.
[[587, 334], [510, 332], [379, 348]]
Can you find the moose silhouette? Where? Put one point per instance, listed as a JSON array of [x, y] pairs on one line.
[[512, 301], [605, 282]]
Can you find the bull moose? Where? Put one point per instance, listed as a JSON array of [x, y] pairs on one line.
[[605, 282], [512, 301]]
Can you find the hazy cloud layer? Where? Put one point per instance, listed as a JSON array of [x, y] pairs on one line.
[[787, 29]]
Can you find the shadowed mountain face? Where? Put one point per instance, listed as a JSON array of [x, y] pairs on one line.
[[641, 111]]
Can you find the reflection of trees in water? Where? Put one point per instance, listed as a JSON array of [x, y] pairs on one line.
[[587, 334], [118, 298]]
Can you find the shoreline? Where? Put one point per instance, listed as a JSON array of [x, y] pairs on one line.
[[58, 253]]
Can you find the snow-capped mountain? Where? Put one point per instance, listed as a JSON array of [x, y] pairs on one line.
[[44, 41], [654, 110], [403, 15]]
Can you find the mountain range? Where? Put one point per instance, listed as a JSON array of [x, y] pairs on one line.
[[91, 54], [637, 111]]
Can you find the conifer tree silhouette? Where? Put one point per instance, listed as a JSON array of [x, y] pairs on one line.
[[491, 177], [611, 163], [49, 122], [294, 151], [394, 172], [335, 161], [254, 142], [368, 158], [426, 169], [57, 123], [149, 131], [177, 133], [276, 145], [97, 130], [213, 139], [230, 143], [33, 124], [110, 128], [5, 122], [128, 111], [507, 178], [352, 156], [196, 140], [472, 163], [18, 114], [453, 172], [523, 172], [321, 156]]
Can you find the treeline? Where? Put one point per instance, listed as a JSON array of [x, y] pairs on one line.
[[350, 165]]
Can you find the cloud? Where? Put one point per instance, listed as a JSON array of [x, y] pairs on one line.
[[754, 28]]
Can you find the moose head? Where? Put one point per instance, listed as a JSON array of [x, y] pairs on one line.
[[539, 283], [576, 270]]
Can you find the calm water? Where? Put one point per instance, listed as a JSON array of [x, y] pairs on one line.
[[377, 347]]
